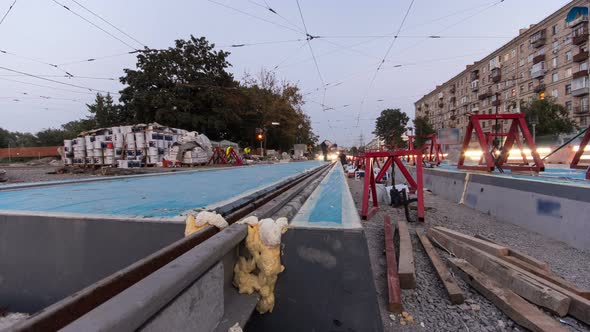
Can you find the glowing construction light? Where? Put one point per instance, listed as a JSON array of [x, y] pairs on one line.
[[333, 157], [585, 157], [577, 147]]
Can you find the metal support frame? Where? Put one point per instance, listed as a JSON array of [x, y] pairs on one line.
[[220, 157], [501, 162], [490, 140], [432, 151], [575, 163], [416, 186]]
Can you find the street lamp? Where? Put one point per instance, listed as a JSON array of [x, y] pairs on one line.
[[534, 119]]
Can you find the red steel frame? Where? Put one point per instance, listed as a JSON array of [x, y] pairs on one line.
[[415, 185], [219, 157], [511, 137], [432, 150], [411, 159], [578, 155], [490, 141]]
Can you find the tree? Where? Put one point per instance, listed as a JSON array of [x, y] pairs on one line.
[[550, 117], [422, 128], [105, 113], [184, 86], [354, 151], [391, 125]]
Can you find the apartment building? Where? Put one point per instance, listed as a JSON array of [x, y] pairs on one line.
[[548, 59]]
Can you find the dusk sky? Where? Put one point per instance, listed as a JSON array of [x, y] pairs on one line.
[[354, 38]]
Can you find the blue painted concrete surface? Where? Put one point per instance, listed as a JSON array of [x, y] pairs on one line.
[[153, 196], [330, 205]]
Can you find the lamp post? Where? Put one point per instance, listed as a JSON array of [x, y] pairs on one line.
[[534, 119]]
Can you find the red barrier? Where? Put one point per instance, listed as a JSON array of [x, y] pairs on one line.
[[576, 160], [40, 151]]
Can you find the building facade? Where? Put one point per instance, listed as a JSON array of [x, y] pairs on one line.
[[548, 59]]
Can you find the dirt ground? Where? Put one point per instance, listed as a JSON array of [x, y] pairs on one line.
[[428, 303]]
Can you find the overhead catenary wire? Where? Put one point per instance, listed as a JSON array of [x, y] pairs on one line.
[[273, 11], [7, 12], [37, 61], [254, 16], [56, 81], [110, 24], [98, 58], [94, 24]]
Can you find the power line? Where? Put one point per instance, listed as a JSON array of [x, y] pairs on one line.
[[65, 76], [94, 24], [309, 38], [46, 86], [270, 9], [55, 81], [109, 23], [7, 12], [262, 43], [37, 61], [253, 16], [98, 58], [387, 53]]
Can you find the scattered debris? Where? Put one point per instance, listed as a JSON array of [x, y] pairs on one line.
[[3, 177], [235, 328], [203, 218]]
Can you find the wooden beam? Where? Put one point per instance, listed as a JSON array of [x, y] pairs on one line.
[[407, 270], [395, 299], [517, 254], [515, 307], [486, 246], [549, 276], [521, 284], [455, 293]]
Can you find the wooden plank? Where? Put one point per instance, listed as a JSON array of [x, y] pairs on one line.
[[455, 293], [522, 256], [486, 246], [515, 307], [519, 283], [406, 270], [395, 299], [549, 276]]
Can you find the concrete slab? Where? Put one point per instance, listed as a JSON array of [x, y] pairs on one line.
[[149, 196]]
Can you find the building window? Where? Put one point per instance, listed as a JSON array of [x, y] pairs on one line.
[[568, 56], [513, 53], [584, 66], [521, 47], [555, 45], [530, 58], [568, 72], [522, 88], [554, 62], [554, 93], [568, 106], [554, 30], [522, 61], [513, 92], [568, 89], [530, 86], [555, 77]]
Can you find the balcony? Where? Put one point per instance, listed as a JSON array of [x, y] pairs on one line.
[[484, 95], [580, 92], [538, 39], [537, 73], [441, 103], [579, 74], [540, 88], [581, 57], [582, 109], [539, 58], [496, 75], [580, 36], [474, 75], [578, 20], [452, 89], [474, 85]]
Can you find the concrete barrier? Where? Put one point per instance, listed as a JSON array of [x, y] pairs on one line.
[[557, 210]]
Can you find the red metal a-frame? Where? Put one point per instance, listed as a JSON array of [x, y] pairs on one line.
[[219, 157], [416, 186], [578, 155], [490, 140], [501, 162], [411, 158], [432, 153]]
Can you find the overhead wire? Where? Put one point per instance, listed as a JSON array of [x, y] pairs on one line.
[[46, 86], [110, 24], [273, 11], [254, 16], [98, 58], [387, 53], [94, 24], [37, 61], [56, 81], [7, 12]]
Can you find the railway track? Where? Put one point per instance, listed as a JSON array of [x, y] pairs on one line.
[[157, 280]]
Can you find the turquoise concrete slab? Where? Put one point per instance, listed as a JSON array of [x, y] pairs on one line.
[[330, 205], [150, 196]]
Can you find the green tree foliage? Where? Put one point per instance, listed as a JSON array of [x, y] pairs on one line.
[[354, 151], [422, 129], [391, 125], [105, 113], [185, 86], [551, 118]]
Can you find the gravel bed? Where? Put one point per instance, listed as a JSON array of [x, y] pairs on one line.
[[428, 304]]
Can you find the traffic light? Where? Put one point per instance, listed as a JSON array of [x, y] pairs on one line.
[[259, 134]]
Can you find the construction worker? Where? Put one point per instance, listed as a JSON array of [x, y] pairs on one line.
[[247, 150]]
